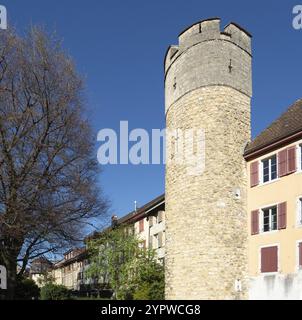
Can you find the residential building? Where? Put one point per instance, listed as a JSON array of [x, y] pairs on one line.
[[69, 272], [275, 208], [39, 268]]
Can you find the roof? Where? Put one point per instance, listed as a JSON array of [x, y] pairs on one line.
[[135, 215], [81, 255], [287, 126], [132, 216], [40, 260]]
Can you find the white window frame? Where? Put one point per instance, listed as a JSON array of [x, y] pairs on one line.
[[269, 169], [299, 212], [298, 268], [299, 157], [278, 259], [261, 224]]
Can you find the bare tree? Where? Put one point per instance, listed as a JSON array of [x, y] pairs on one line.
[[48, 169]]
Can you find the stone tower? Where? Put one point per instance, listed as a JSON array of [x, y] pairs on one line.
[[208, 87]]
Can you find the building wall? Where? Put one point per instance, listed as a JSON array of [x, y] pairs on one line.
[[57, 276], [286, 283], [206, 218], [153, 228]]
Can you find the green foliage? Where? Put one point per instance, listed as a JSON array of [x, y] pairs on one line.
[[27, 289], [148, 281], [132, 272], [55, 292]]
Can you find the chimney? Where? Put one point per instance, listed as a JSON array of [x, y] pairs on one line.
[[114, 220]]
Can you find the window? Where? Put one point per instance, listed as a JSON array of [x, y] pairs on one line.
[[141, 225], [160, 240], [142, 244], [269, 169], [160, 216], [300, 157], [269, 259], [300, 211], [269, 219], [156, 241], [162, 261], [300, 256]]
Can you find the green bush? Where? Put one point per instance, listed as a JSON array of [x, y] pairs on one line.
[[27, 289], [55, 292], [142, 293]]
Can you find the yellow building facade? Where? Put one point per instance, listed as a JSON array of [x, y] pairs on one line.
[[274, 164]]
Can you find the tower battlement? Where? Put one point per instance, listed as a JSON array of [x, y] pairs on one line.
[[207, 56], [209, 30]]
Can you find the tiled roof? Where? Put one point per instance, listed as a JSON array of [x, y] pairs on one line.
[[288, 124]]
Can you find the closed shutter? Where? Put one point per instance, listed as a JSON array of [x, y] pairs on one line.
[[254, 172], [255, 222], [160, 239], [141, 225], [150, 221], [269, 259], [282, 163], [291, 159], [300, 255], [160, 216], [282, 210]]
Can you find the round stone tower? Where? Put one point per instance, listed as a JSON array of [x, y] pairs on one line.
[[208, 89]]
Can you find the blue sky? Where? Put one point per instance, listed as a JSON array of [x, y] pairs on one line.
[[119, 47]]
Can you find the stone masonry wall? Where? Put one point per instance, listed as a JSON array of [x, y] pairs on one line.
[[206, 218]]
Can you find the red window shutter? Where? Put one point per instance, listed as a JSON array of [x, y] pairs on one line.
[[291, 160], [282, 208], [300, 255], [254, 168], [255, 222], [141, 225], [269, 259], [282, 163]]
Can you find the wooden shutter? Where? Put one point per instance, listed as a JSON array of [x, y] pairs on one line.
[[141, 225], [151, 221], [300, 255], [160, 239], [160, 216], [255, 222], [282, 208], [269, 259], [254, 172], [282, 163], [291, 160]]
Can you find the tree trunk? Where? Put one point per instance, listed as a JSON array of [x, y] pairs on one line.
[[8, 258], [10, 262]]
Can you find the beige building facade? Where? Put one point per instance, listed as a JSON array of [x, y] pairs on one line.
[[275, 209]]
